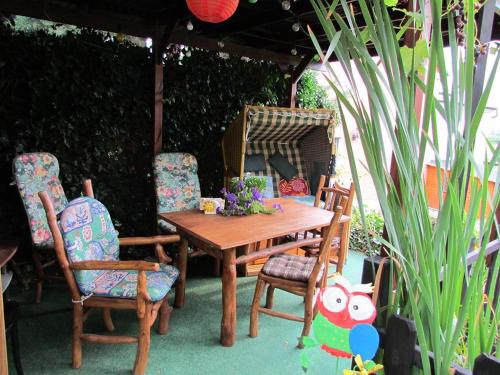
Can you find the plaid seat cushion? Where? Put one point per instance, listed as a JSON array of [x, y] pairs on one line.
[[290, 267]]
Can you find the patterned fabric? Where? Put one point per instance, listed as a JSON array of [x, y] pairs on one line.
[[282, 125], [289, 150], [290, 267], [33, 173], [296, 187], [176, 184], [124, 283], [89, 234]]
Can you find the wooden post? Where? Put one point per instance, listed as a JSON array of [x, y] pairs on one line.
[[158, 92], [181, 262], [295, 74]]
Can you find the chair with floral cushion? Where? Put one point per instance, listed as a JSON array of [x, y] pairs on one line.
[[36, 172], [176, 184], [87, 247]]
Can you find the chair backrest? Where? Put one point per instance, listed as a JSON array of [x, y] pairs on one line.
[[176, 182], [333, 195], [88, 234], [325, 245], [36, 172]]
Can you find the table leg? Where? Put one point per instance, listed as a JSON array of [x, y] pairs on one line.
[[180, 288], [228, 324]]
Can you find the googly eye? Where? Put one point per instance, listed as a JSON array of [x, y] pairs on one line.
[[334, 299], [360, 307]]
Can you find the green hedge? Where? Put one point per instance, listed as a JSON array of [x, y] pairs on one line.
[[87, 100]]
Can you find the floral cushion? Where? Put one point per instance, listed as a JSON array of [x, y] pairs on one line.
[[89, 234], [176, 183], [124, 283], [33, 173]]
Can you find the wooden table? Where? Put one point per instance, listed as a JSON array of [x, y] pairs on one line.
[[7, 251], [220, 236]]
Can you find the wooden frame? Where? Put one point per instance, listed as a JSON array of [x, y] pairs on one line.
[[147, 310], [305, 289], [332, 195]]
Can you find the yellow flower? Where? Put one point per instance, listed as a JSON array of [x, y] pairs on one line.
[[361, 370]]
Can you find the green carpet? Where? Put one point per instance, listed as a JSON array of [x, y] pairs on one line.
[[191, 345]]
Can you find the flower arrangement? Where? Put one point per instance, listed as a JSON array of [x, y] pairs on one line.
[[244, 197]]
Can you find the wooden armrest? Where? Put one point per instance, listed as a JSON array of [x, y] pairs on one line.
[[153, 240], [264, 253], [344, 219], [137, 265]]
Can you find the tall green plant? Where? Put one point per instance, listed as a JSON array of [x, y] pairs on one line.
[[450, 303]]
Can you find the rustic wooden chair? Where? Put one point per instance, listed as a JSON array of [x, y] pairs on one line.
[[34, 172], [87, 248], [332, 196], [295, 274]]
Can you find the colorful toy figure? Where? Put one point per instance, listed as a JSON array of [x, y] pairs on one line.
[[363, 368], [342, 325]]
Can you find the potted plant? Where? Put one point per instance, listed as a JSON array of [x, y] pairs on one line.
[[451, 304]]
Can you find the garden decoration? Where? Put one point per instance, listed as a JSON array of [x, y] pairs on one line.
[[244, 197], [342, 325], [210, 206], [213, 11], [363, 368]]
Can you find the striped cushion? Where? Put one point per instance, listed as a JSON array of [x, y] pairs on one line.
[[290, 267], [289, 150]]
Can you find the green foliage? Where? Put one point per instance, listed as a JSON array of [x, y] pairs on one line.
[[447, 298], [366, 240], [310, 94], [255, 181], [88, 100]]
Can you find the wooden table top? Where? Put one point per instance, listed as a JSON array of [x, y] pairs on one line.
[[225, 232], [7, 251]]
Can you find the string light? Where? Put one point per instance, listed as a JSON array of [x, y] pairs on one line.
[[220, 43], [296, 26], [293, 51], [190, 26], [285, 5]]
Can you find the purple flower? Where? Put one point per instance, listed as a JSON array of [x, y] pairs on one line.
[[239, 186], [232, 198], [256, 195], [278, 207], [223, 191], [247, 204]]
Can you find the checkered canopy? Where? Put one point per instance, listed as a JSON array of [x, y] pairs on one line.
[[283, 125]]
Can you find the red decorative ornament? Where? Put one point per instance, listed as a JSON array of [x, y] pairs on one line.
[[213, 11]]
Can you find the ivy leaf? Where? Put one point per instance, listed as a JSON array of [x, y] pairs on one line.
[[419, 53]]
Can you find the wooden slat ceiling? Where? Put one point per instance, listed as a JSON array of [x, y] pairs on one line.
[[260, 30]]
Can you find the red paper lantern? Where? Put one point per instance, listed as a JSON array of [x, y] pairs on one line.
[[213, 11]]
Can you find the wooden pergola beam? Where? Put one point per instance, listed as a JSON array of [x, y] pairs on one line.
[[78, 16], [194, 40], [295, 74]]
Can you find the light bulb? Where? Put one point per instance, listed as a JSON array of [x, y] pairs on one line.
[[285, 5], [221, 44], [189, 26], [293, 51], [296, 26]]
